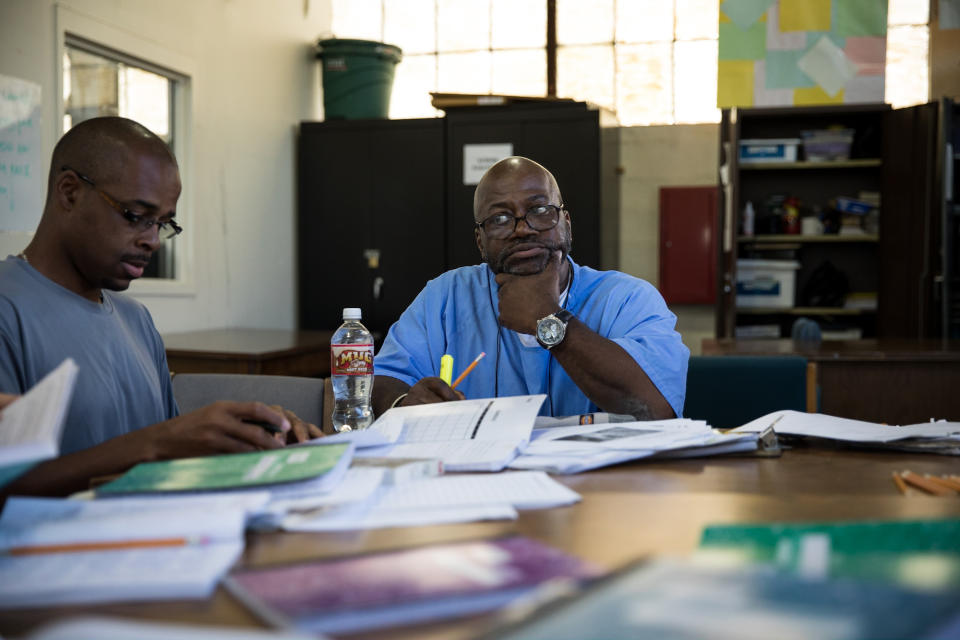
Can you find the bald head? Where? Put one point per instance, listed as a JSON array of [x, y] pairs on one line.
[[100, 147], [508, 170]]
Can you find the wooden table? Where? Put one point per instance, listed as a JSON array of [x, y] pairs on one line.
[[891, 381], [255, 351], [627, 512]]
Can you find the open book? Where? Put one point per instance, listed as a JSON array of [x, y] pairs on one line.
[[470, 435], [56, 551], [30, 427]]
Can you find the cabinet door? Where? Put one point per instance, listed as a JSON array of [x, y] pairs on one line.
[[565, 138], [909, 225], [688, 245], [371, 225]]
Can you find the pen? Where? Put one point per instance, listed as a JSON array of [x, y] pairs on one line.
[[106, 545], [467, 370], [446, 368], [269, 427]]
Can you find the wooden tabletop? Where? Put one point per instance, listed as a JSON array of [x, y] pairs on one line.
[[245, 342], [627, 512]]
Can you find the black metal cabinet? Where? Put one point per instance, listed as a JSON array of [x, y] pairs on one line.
[[371, 217], [563, 137]]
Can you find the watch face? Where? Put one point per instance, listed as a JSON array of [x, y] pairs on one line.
[[550, 331]]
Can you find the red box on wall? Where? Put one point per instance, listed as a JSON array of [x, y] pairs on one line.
[[688, 244]]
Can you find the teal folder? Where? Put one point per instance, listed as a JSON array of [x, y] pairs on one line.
[[922, 554], [233, 471]]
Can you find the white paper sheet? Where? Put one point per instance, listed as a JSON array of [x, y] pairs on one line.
[[190, 571], [30, 427], [466, 498], [378, 519], [823, 426], [358, 486], [650, 435], [472, 435], [44, 521]]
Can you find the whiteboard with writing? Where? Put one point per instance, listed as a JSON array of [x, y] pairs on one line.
[[21, 185]]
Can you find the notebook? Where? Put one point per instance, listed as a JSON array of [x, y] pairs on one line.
[[327, 463], [406, 586]]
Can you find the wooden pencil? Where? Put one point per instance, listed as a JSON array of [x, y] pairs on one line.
[[467, 370], [106, 545], [924, 484], [953, 485], [901, 485]]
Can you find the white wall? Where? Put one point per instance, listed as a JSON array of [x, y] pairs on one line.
[[255, 80], [654, 157]]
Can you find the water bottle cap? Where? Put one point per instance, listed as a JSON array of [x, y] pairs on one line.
[[351, 313]]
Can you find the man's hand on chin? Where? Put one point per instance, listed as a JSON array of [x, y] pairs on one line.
[[526, 299]]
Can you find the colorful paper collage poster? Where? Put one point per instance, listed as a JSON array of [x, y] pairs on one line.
[[801, 52]]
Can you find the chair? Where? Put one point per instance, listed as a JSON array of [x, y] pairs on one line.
[[729, 391], [303, 396]]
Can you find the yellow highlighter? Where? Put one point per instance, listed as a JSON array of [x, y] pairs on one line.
[[446, 368]]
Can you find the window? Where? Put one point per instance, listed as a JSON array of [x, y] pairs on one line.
[[650, 61], [106, 69], [98, 82], [907, 79]]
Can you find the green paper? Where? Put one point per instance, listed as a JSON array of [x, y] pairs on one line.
[[860, 18], [813, 37], [232, 471], [739, 44], [782, 71], [745, 13], [889, 550]]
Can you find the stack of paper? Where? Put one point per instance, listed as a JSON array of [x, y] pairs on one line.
[[30, 427], [471, 435], [928, 437], [440, 500], [55, 551], [580, 448]]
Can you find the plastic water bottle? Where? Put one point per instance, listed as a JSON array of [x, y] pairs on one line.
[[351, 368]]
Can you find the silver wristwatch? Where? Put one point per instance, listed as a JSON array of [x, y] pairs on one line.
[[552, 328]]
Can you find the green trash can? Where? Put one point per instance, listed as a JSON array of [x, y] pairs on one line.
[[357, 77]]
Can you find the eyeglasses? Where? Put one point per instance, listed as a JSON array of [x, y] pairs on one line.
[[542, 217], [140, 222]]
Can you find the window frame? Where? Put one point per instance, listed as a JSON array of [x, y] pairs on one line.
[[92, 35]]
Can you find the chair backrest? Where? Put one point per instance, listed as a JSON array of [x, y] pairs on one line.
[[729, 391], [303, 396]]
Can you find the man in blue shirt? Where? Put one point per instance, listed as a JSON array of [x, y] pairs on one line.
[[591, 340]]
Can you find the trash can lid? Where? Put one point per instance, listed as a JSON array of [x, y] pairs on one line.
[[346, 46]]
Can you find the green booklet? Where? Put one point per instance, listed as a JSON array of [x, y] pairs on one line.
[[323, 463], [922, 554]]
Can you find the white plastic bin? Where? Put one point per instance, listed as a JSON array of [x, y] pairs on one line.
[[766, 283], [761, 151]]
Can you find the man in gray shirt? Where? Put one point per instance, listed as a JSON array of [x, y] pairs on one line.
[[111, 200]]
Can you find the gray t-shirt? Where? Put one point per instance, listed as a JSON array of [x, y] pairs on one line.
[[123, 381]]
